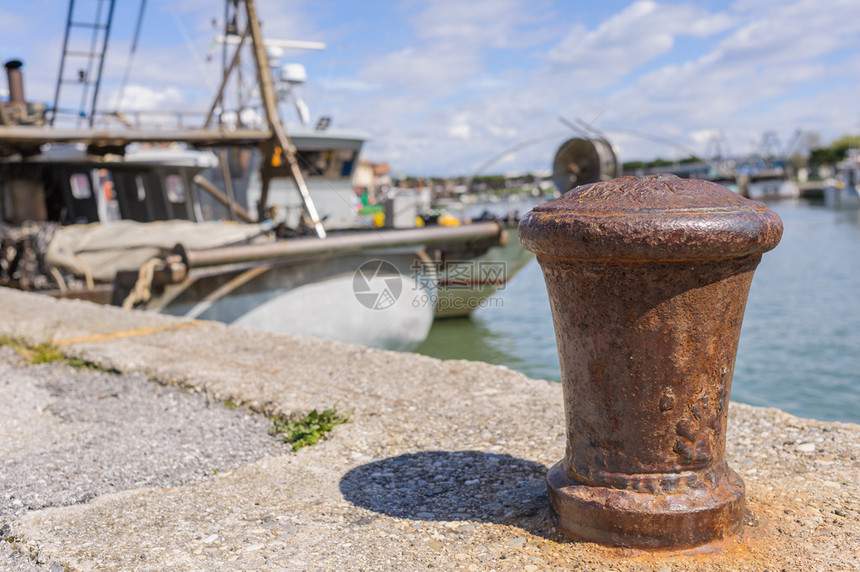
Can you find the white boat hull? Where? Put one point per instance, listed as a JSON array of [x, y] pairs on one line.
[[842, 196], [313, 297], [400, 326], [771, 189]]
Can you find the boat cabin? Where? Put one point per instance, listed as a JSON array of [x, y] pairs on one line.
[[68, 186]]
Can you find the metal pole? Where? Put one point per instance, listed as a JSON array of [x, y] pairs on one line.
[[62, 61], [265, 180], [348, 242], [101, 64], [85, 90], [267, 91], [207, 186], [225, 78], [228, 184]]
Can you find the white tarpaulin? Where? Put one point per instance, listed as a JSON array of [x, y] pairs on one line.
[[100, 250]]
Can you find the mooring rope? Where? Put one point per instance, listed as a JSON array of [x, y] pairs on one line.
[[142, 290]]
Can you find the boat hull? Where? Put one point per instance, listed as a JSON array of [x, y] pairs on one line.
[[318, 297], [842, 196], [465, 286], [772, 189]]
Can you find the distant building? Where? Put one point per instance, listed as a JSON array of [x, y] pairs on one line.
[[371, 177]]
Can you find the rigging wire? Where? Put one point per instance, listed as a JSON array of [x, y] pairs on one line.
[[131, 54], [516, 147], [201, 65]]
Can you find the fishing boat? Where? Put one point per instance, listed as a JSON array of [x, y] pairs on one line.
[[767, 184], [133, 216], [467, 285], [843, 191]]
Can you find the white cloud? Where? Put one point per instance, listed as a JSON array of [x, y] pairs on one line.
[[450, 45], [142, 98], [435, 71], [746, 82], [640, 33], [702, 136], [758, 71], [472, 79], [460, 129], [492, 23]]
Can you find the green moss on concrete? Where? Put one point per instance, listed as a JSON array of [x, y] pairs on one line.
[[307, 430], [47, 352]]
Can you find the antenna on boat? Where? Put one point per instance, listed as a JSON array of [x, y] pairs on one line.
[[290, 75]]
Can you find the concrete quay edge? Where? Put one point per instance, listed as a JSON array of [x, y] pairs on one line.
[[440, 467]]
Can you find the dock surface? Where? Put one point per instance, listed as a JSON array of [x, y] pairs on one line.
[[155, 454]]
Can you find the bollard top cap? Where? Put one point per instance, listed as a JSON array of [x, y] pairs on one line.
[[657, 217]]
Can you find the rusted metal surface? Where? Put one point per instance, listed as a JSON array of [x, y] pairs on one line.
[[648, 279]]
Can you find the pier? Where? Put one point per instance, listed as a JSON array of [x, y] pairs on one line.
[[441, 464]]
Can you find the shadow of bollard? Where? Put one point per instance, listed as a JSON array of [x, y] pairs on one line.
[[450, 486]]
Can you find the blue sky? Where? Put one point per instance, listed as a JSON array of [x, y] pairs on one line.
[[441, 86]]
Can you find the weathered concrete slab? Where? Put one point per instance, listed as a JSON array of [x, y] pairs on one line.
[[441, 465], [75, 434]]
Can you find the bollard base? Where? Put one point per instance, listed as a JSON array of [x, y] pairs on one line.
[[621, 517]]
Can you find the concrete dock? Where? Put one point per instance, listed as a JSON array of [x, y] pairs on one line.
[[141, 460]]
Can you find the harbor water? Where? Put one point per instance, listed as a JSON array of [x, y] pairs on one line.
[[800, 344]]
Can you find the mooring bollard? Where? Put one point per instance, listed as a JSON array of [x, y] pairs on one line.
[[647, 279]]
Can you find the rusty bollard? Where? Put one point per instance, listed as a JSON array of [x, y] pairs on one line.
[[647, 279]]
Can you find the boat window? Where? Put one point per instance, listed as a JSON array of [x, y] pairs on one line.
[[347, 159], [329, 164], [5, 200], [108, 206], [131, 193], [105, 183], [312, 163], [175, 188], [81, 187], [240, 162], [141, 188]]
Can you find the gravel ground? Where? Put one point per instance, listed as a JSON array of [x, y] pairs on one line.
[[14, 561], [440, 466], [71, 435]]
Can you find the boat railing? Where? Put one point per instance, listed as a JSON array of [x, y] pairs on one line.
[[140, 119]]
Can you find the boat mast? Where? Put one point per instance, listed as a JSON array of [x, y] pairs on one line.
[[280, 139]]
